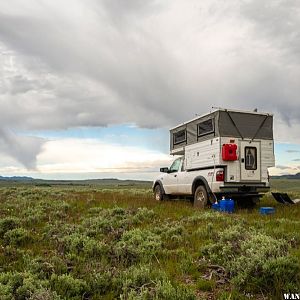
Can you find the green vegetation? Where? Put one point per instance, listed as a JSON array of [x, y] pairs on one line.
[[103, 243]]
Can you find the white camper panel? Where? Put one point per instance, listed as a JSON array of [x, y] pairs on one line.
[[267, 158], [233, 173], [203, 154]]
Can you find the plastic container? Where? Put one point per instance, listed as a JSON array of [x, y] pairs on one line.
[[267, 210], [229, 152], [230, 206], [226, 205], [223, 205], [216, 206]]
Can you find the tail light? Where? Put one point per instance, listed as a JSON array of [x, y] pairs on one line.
[[220, 176]]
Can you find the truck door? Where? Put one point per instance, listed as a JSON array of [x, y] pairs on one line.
[[250, 161], [170, 179], [184, 184]]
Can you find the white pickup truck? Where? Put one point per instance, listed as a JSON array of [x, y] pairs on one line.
[[224, 153]]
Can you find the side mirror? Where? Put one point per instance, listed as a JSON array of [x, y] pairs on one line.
[[164, 170]]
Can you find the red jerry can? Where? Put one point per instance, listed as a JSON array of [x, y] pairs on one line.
[[229, 152]]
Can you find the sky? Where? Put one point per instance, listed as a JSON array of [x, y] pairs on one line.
[[89, 89]]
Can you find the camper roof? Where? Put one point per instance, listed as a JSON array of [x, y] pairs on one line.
[[222, 109]]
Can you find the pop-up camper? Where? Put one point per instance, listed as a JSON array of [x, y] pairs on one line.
[[223, 153]]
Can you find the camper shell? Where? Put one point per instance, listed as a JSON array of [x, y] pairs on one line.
[[237, 144], [221, 123]]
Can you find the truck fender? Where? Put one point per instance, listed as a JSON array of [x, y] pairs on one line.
[[158, 182], [203, 181]]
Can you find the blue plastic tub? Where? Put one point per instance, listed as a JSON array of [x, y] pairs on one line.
[[226, 205], [223, 205], [216, 206], [267, 210], [230, 206]]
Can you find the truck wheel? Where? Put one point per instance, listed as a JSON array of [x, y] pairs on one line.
[[158, 193], [200, 197]]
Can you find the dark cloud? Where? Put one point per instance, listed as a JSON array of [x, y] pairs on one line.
[[292, 151], [154, 64], [296, 159], [23, 149]]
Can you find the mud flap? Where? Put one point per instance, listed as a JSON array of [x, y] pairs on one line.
[[284, 198]]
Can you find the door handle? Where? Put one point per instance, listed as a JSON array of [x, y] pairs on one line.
[[243, 160], [175, 175]]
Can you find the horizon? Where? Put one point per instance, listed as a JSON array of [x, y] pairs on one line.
[[105, 178]]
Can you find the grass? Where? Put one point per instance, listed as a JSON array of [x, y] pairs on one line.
[[107, 243]]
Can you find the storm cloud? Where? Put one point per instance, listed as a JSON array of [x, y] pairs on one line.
[[22, 148], [153, 64]]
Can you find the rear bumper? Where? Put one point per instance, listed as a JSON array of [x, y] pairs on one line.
[[244, 188]]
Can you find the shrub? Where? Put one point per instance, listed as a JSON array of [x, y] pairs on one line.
[[143, 214], [59, 229], [283, 272], [17, 237], [172, 234], [102, 283], [187, 265], [108, 221], [34, 215], [115, 220], [21, 286], [167, 291], [5, 292], [137, 244], [142, 282], [95, 210], [69, 287], [254, 260], [60, 266], [41, 268], [80, 244], [7, 224], [44, 294]]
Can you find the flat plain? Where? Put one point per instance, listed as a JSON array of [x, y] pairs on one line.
[[116, 242]]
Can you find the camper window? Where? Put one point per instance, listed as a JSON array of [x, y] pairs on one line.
[[250, 158], [206, 127], [179, 137]]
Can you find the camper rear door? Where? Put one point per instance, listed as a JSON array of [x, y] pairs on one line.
[[250, 161]]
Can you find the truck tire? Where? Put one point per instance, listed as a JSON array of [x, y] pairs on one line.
[[200, 197], [158, 193]]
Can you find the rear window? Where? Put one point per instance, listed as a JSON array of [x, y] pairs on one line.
[[250, 158], [205, 127], [179, 137]]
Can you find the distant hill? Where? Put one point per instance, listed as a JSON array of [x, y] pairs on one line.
[[97, 182], [17, 178], [288, 176]]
